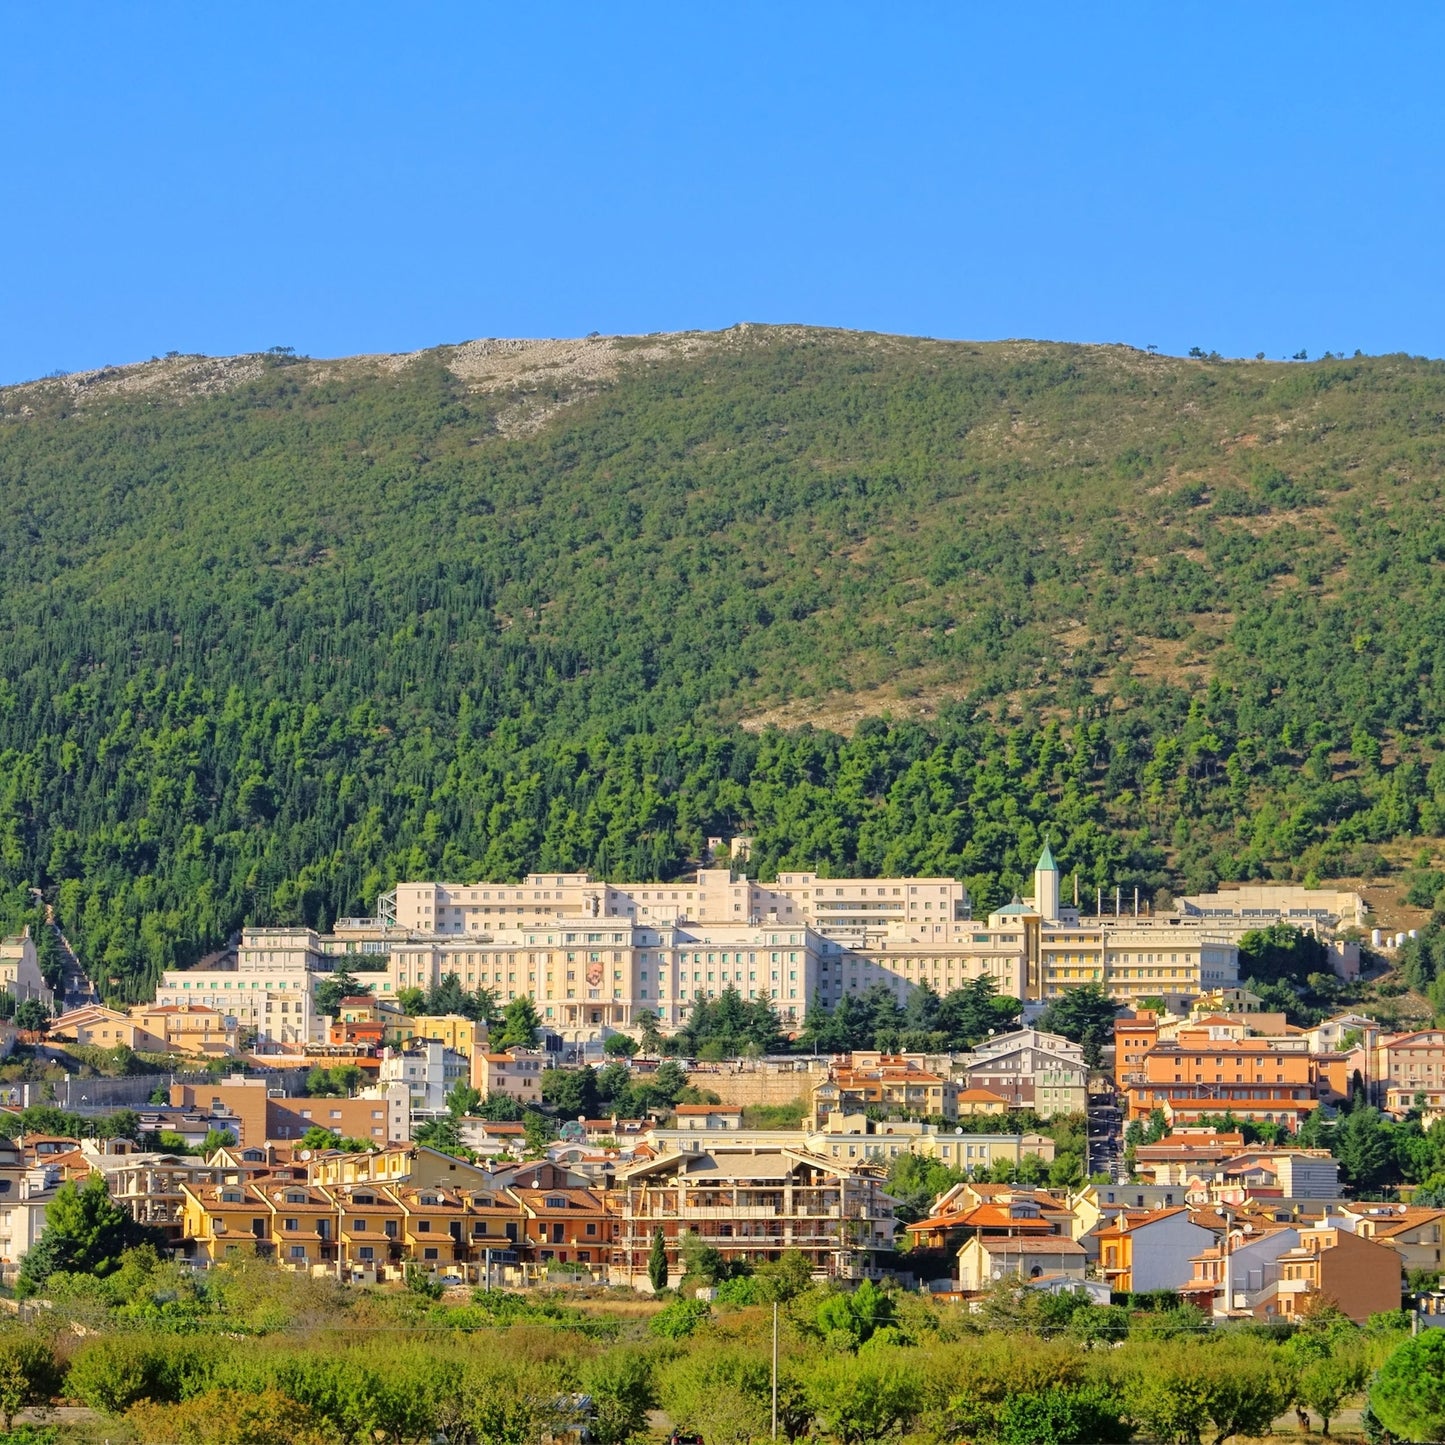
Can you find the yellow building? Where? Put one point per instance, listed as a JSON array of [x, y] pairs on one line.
[[459, 1034]]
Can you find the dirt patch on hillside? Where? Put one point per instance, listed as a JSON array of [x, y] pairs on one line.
[[547, 373], [175, 376]]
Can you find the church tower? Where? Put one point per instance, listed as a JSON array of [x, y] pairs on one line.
[[1046, 887]]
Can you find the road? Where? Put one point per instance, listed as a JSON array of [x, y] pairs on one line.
[[1106, 1142]]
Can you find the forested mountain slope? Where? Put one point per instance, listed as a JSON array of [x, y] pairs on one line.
[[275, 632]]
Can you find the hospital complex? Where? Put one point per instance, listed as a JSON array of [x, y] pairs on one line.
[[594, 955]]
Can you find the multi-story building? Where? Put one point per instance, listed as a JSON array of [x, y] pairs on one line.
[[1030, 1070], [892, 1084], [752, 1205], [592, 955], [833, 907], [1407, 1070], [1358, 1275], [1247, 1077], [191, 1028], [856, 1140], [1257, 905], [428, 1070], [1134, 1035], [1239, 1276], [271, 990], [587, 976], [20, 970], [1414, 1233], [1151, 1251], [256, 1115], [564, 1223], [515, 1072]]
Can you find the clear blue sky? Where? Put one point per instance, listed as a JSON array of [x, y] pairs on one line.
[[369, 177]]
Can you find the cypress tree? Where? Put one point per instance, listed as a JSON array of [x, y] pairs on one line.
[[657, 1262]]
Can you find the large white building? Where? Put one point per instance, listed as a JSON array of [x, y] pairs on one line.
[[593, 955]]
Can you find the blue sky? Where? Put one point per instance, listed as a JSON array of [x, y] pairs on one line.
[[367, 177]]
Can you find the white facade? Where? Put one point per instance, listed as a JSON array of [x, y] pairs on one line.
[[271, 989], [428, 1069], [1162, 1251], [22, 1215]]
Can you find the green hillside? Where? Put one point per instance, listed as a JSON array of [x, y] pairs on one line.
[[275, 633]]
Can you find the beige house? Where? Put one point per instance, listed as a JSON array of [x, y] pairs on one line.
[[983, 1260], [1415, 1234], [151, 1028], [20, 970], [517, 1073]]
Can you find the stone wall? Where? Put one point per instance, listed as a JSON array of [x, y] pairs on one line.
[[760, 1083]]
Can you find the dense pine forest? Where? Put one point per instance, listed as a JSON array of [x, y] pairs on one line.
[[272, 642]]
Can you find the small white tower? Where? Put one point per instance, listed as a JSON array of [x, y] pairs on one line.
[[1046, 887]]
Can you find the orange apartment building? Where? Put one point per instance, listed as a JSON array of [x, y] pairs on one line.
[[1134, 1035], [568, 1225], [1247, 1077]]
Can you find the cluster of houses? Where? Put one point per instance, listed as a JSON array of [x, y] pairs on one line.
[[1242, 1232], [1269, 1256]]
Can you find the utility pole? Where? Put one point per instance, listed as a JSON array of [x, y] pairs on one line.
[[775, 1369]]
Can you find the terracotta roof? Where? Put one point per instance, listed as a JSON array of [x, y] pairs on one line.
[[1033, 1244], [1409, 1219], [1126, 1224], [981, 1096], [997, 1216]]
